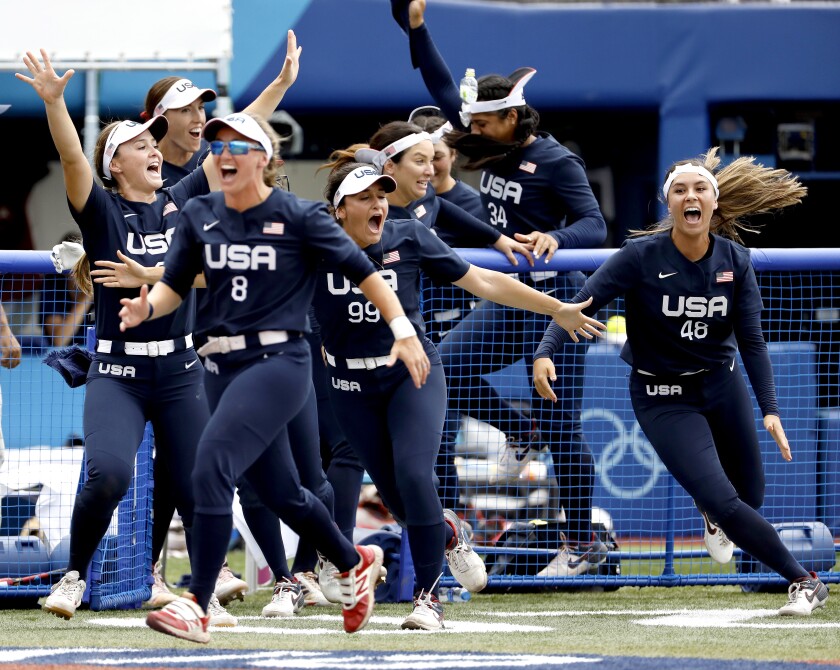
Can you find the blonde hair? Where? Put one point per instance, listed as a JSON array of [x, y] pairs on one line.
[[273, 167], [746, 188], [80, 274]]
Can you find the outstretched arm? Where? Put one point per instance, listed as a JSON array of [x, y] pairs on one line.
[[272, 95], [508, 291], [9, 346], [161, 301], [78, 177]]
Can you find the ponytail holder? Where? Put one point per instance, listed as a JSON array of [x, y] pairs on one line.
[[145, 115]]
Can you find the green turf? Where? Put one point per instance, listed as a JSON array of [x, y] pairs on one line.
[[599, 633]]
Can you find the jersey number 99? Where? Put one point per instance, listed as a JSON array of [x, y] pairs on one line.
[[363, 312]]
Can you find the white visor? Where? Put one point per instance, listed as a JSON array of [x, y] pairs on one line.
[[379, 158], [126, 131], [182, 93], [361, 179], [244, 124], [516, 98], [688, 168]]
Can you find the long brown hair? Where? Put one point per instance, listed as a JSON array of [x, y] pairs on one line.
[[746, 188]]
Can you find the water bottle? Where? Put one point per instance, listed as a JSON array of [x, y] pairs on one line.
[[469, 86], [455, 594]]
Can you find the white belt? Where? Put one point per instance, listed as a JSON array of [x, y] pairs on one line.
[[447, 315], [369, 363], [226, 344], [151, 349]]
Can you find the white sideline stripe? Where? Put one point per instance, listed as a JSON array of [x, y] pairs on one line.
[[393, 623]]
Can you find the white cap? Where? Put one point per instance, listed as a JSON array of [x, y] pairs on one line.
[[360, 179], [242, 123], [128, 130], [182, 93]]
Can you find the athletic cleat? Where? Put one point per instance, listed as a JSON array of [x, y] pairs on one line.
[[465, 565], [569, 564], [357, 587], [427, 614], [804, 596], [181, 618], [719, 546], [66, 596], [327, 574], [161, 595], [287, 600], [229, 586], [218, 615], [516, 454], [312, 594]]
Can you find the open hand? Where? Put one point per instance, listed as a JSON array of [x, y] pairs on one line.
[[47, 84]]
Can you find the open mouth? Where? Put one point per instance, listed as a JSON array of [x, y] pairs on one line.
[[692, 215], [154, 168], [375, 224], [195, 133], [228, 172]]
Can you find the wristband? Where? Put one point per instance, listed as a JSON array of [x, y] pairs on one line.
[[151, 312], [401, 328]]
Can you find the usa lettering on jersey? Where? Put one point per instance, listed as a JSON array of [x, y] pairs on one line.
[[116, 370], [501, 189], [240, 256], [695, 307], [663, 389], [338, 284], [151, 243], [344, 385]]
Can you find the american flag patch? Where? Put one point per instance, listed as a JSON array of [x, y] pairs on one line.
[[528, 167], [274, 228], [390, 257], [724, 276], [169, 208], [419, 211]]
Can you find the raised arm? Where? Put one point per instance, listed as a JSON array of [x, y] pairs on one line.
[[272, 95], [78, 177]]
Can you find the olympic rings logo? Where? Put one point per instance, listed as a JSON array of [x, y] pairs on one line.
[[615, 452]]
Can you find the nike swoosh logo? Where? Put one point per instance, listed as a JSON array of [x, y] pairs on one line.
[[208, 226], [125, 216], [811, 597], [732, 367], [190, 364], [662, 275]]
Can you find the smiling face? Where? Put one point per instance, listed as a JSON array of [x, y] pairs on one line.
[[442, 163], [691, 203], [242, 174], [363, 215], [136, 165], [412, 173], [183, 138]]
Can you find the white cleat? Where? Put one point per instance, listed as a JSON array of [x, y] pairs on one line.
[[66, 596], [719, 546], [229, 586], [181, 618], [161, 595], [312, 594], [465, 565], [805, 596], [427, 614], [287, 600], [219, 616]]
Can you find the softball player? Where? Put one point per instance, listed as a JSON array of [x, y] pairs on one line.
[[691, 302], [535, 190], [156, 376], [393, 426], [257, 247]]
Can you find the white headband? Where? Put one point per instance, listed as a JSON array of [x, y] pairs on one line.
[[379, 158], [688, 168], [516, 98]]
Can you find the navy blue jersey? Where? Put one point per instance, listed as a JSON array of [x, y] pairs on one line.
[[542, 186], [351, 326], [683, 316], [454, 225], [259, 264], [143, 232], [172, 173], [466, 197]]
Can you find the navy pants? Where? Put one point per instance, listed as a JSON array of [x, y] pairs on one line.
[[492, 337], [122, 394], [703, 429], [395, 430], [253, 396]]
